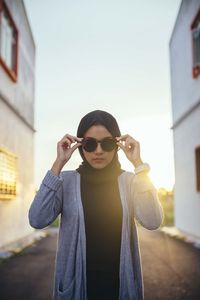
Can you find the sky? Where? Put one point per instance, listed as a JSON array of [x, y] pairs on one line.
[[108, 55]]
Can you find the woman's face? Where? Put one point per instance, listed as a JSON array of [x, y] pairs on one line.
[[99, 158]]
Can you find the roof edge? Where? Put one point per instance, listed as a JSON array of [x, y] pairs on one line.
[[27, 19], [175, 23]]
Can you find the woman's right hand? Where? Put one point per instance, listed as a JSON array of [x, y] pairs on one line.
[[65, 147]]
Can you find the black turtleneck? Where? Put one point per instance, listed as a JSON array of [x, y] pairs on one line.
[[103, 224]]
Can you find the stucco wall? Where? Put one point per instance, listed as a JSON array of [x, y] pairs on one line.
[[19, 139], [185, 95], [185, 89], [187, 199], [17, 129], [21, 94]]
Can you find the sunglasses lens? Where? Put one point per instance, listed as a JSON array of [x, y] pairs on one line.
[[89, 145], [108, 144]]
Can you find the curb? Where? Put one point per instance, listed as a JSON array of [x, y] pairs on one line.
[[176, 233], [18, 246]]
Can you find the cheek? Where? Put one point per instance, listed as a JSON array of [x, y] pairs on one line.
[[86, 155], [111, 155]]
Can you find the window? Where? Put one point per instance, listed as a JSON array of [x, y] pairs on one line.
[[8, 174], [197, 154], [195, 27], [8, 42]]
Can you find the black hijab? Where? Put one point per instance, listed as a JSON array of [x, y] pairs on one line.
[[113, 170], [102, 214]]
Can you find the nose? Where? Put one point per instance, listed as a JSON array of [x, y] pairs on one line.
[[98, 148]]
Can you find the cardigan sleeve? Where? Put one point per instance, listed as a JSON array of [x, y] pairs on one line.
[[47, 203], [146, 205]]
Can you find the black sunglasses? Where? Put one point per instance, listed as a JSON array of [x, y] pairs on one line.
[[107, 144]]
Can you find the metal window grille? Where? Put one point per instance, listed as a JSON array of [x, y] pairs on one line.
[[8, 174]]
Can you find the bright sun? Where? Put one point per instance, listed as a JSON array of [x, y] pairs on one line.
[[155, 137]]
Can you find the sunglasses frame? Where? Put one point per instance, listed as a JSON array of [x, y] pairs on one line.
[[84, 141]]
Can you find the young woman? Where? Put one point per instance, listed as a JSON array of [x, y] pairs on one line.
[[97, 253]]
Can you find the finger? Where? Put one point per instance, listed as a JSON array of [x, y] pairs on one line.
[[67, 141], [130, 143], [78, 139], [125, 137], [74, 147], [122, 137], [127, 142], [121, 140], [125, 148], [72, 138], [121, 146], [75, 138]]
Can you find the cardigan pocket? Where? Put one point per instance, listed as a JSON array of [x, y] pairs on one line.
[[68, 293]]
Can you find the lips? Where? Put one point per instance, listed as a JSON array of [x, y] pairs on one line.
[[98, 160]]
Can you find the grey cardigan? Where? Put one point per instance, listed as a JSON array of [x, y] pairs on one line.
[[61, 195]]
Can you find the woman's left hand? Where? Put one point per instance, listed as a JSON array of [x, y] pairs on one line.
[[131, 148]]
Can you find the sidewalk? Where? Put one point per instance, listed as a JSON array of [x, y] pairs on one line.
[[171, 269]]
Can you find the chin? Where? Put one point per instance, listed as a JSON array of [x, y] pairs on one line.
[[98, 166]]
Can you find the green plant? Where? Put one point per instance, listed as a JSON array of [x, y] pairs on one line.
[[167, 202], [56, 222]]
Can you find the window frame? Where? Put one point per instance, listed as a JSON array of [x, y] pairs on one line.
[[195, 67], [197, 162], [13, 73]]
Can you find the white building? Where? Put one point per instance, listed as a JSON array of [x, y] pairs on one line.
[[17, 76], [185, 88]]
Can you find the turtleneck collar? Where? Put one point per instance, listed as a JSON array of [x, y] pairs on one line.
[[99, 176]]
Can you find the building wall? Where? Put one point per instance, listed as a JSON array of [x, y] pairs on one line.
[[21, 94], [187, 199], [186, 120], [18, 138], [17, 129], [185, 89]]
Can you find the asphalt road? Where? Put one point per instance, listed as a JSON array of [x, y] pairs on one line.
[[171, 269]]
